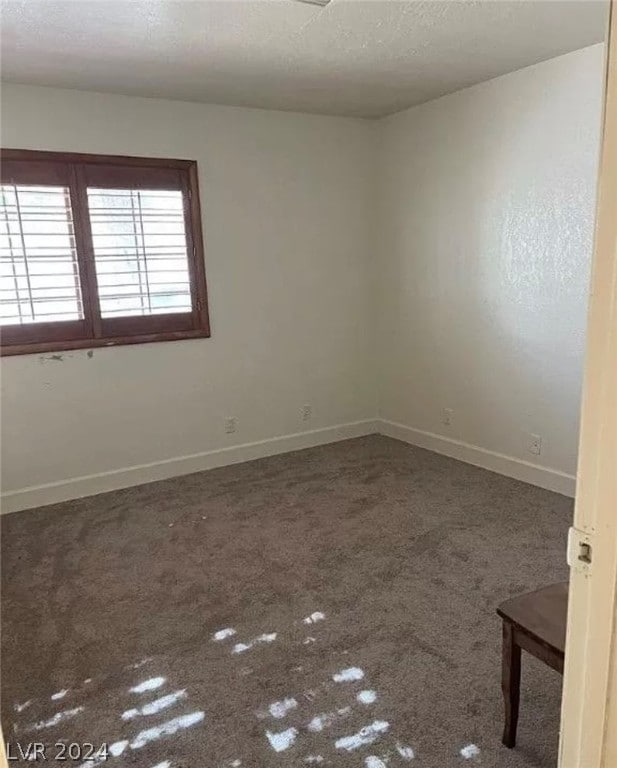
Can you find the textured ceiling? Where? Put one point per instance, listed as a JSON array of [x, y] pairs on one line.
[[354, 57]]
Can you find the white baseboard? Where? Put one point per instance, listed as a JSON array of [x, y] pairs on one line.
[[551, 479], [88, 485]]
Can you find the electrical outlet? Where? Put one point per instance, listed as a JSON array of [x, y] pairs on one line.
[[447, 417], [534, 444], [231, 424], [307, 412]]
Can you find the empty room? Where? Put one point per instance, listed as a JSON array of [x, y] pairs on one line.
[[293, 321]]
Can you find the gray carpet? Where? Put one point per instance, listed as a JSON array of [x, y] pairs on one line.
[[111, 605]]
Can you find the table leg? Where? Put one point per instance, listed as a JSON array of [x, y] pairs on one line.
[[510, 683]]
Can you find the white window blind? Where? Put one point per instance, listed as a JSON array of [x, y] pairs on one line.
[[39, 274], [140, 251]]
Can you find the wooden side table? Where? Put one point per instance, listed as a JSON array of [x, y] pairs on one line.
[[536, 623]]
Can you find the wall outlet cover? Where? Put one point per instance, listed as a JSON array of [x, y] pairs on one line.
[[534, 444], [231, 424]]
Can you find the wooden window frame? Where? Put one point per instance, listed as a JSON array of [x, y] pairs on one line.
[[77, 171]]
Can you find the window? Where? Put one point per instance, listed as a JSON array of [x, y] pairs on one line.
[[98, 251]]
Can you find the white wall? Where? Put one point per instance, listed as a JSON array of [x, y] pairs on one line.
[[455, 277], [287, 204], [487, 207]]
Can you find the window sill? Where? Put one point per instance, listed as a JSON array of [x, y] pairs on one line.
[[65, 346]]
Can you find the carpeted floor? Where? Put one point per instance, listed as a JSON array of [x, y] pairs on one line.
[[360, 580]]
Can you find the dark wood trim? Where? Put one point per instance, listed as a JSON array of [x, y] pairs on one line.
[[112, 176], [14, 171], [67, 346], [54, 333], [138, 325], [83, 241], [77, 171], [195, 244], [79, 158]]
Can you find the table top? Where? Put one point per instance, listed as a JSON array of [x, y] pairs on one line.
[[542, 614]]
